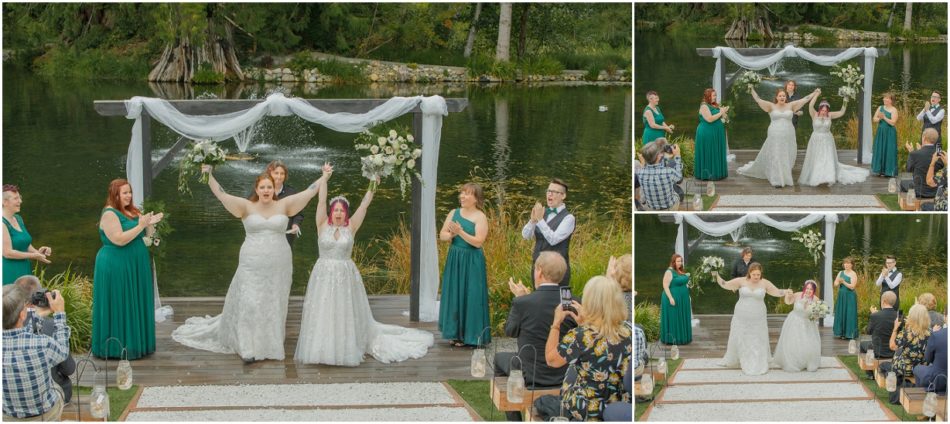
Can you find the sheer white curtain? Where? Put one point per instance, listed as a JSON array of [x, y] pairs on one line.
[[762, 62], [240, 125]]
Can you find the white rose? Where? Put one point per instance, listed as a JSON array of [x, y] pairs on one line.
[[401, 139], [155, 242], [389, 160], [381, 140], [393, 134], [389, 150], [147, 240], [199, 158], [374, 150], [378, 160], [410, 138], [411, 163], [416, 153], [404, 147], [400, 157]]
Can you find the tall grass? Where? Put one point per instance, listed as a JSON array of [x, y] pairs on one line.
[[647, 315], [76, 290]]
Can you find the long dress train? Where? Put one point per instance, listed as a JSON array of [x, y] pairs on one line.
[[799, 345], [748, 345], [777, 156], [821, 164]]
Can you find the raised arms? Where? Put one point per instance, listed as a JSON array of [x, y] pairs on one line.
[[236, 205], [731, 285], [357, 219], [295, 203], [811, 107], [322, 202], [797, 104], [763, 104], [840, 113]]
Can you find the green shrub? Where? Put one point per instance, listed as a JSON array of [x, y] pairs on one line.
[[76, 290], [207, 75], [412, 65], [544, 65], [647, 315], [131, 63], [479, 65], [593, 71], [341, 72]]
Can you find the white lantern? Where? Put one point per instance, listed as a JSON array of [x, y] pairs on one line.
[[478, 363], [911, 197], [662, 367], [515, 386], [892, 185], [869, 356], [853, 347], [930, 404], [646, 382], [674, 352], [890, 382], [710, 189], [697, 202], [123, 373], [99, 400]]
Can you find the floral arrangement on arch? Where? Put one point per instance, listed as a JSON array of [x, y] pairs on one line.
[[812, 241], [393, 155], [851, 80], [201, 152]]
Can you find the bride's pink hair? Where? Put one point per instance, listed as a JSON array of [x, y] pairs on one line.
[[824, 105], [346, 211], [814, 288]]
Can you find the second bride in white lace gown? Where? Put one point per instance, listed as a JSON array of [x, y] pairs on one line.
[[337, 327], [821, 159], [748, 346], [799, 346], [776, 157], [252, 322]]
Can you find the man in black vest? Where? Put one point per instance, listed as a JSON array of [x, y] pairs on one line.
[[530, 320], [932, 115], [890, 280], [918, 164], [551, 227]]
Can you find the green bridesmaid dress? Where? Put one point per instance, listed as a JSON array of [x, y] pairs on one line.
[[650, 133], [676, 322], [884, 159], [122, 296], [846, 310], [463, 309], [16, 268], [710, 157]]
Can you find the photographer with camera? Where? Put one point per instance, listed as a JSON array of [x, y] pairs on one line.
[[937, 178], [29, 392], [658, 179], [43, 323]]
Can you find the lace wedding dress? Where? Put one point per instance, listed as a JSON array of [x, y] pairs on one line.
[[799, 346], [255, 308], [821, 160], [777, 155], [748, 346], [337, 327]]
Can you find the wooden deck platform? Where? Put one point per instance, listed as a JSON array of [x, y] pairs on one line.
[[712, 335], [174, 364], [739, 184]]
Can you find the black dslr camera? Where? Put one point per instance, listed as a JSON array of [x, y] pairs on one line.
[[668, 149], [39, 299]]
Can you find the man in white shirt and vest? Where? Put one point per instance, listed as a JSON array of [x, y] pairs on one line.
[[551, 227], [890, 279]]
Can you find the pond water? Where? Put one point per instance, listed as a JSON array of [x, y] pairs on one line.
[[671, 66], [63, 154], [918, 241]]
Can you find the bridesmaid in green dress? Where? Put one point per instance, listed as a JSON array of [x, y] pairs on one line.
[[654, 125], [676, 319], [17, 243], [463, 310], [884, 158], [122, 293], [710, 156], [846, 305]]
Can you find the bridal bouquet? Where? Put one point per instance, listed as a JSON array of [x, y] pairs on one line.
[[749, 78], [704, 271], [162, 229], [817, 310], [393, 156], [812, 241], [851, 80], [203, 152]]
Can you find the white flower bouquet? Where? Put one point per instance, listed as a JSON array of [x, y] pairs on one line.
[[812, 241], [704, 271], [817, 310], [851, 79], [748, 78], [203, 152], [393, 156]]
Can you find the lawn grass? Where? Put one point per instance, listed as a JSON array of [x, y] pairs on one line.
[[890, 201], [851, 361], [118, 399], [641, 407], [477, 394]]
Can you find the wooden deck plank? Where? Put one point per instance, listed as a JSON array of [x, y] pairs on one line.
[[174, 364]]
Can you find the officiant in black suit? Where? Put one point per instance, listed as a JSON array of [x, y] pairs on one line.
[[278, 172], [790, 92], [530, 320], [740, 268]]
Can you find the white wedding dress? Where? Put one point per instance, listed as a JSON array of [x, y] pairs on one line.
[[748, 346], [799, 346], [777, 156], [337, 327], [255, 308], [821, 159]]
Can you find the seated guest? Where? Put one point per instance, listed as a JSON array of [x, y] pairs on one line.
[[937, 181], [909, 341], [918, 162], [740, 268], [28, 388], [599, 350], [930, 302], [880, 325], [621, 411], [529, 319], [43, 323], [640, 355], [936, 356], [657, 180], [621, 270]]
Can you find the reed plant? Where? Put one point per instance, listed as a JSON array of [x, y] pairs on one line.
[[76, 290], [647, 316]]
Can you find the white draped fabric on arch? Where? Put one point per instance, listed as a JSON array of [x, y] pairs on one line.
[[239, 125], [756, 63], [721, 228]]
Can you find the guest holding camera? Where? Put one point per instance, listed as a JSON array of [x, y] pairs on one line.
[[17, 242], [599, 350], [658, 181], [711, 139], [909, 341], [29, 392], [937, 179], [43, 323]]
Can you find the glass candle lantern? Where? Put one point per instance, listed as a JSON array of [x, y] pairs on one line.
[[710, 189], [697, 202], [892, 185], [99, 401], [890, 382], [515, 386], [930, 404], [853, 347], [646, 382], [869, 356], [674, 352], [478, 363]]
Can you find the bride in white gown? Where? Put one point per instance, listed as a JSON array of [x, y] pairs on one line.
[[821, 159], [799, 346], [337, 327], [748, 346], [255, 308], [777, 156]]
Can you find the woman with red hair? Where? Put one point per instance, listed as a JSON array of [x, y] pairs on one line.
[[122, 294], [710, 159], [676, 317]]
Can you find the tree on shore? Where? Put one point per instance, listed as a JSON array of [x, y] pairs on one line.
[[197, 38], [502, 49], [749, 18], [908, 15], [470, 41]]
